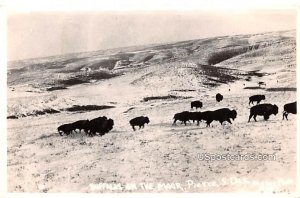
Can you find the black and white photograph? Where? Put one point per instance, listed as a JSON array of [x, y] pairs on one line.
[[174, 101]]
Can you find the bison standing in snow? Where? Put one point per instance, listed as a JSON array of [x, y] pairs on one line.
[[196, 104], [183, 117], [186, 116], [220, 115], [101, 125], [219, 97], [264, 110], [65, 129], [139, 121], [256, 98], [107, 125], [289, 108]]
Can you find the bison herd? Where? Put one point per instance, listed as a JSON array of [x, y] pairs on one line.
[[220, 115], [103, 125], [100, 125]]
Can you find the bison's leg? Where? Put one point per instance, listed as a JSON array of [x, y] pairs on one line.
[[258, 101], [133, 127], [61, 133], [184, 122], [255, 118], [197, 122], [143, 125], [283, 115], [140, 126], [174, 123], [250, 116], [91, 133], [88, 132], [95, 133], [228, 120], [102, 133], [266, 117], [208, 123], [286, 115]]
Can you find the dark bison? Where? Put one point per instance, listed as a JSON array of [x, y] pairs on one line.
[[139, 121], [107, 125], [196, 104], [220, 115], [101, 125], [183, 117], [186, 116], [219, 97], [81, 125], [256, 98], [289, 108], [263, 110], [195, 116], [261, 84], [65, 129]]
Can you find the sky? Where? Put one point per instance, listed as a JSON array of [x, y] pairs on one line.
[[40, 34]]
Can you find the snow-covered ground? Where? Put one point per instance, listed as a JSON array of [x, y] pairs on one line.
[[40, 160]]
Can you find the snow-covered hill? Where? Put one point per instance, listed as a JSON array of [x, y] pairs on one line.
[[124, 78]]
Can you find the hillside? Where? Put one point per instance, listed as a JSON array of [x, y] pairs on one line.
[[157, 81]]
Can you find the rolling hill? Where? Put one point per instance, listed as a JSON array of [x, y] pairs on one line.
[[157, 81]]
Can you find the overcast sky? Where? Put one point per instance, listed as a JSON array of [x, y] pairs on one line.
[[36, 34]]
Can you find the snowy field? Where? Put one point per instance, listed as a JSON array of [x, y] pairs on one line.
[[161, 157]]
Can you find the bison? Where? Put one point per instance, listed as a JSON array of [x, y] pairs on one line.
[[219, 97], [262, 83], [81, 125], [100, 125], [183, 117], [107, 125], [186, 116], [139, 121], [220, 115], [289, 108], [65, 129], [196, 104], [256, 98], [263, 110], [195, 116]]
